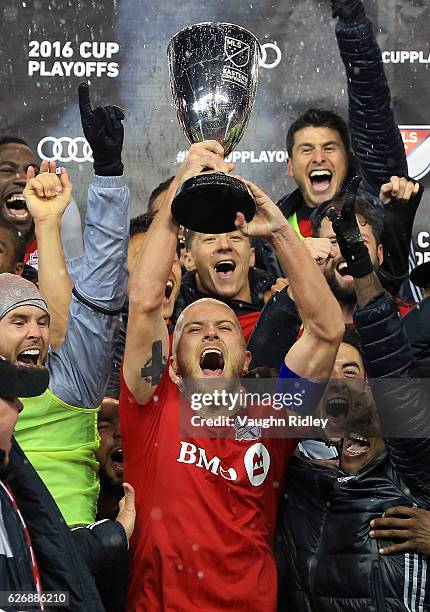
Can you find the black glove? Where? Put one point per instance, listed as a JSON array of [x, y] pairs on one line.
[[105, 133], [348, 235], [348, 11]]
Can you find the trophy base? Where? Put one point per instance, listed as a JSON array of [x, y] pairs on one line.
[[208, 203]]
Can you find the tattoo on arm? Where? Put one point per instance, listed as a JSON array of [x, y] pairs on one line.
[[153, 368]]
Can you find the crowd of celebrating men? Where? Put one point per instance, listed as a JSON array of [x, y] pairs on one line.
[[105, 334]]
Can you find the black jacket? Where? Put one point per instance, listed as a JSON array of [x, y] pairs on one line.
[[275, 332], [66, 558], [378, 149], [417, 325], [327, 561], [259, 281]]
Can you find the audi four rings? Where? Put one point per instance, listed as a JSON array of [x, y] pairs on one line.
[[65, 149]]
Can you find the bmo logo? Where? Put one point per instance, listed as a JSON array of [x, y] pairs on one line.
[[257, 463], [194, 455]]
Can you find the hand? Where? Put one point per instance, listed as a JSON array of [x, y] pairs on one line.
[[349, 238], [127, 511], [47, 195], [400, 189], [105, 133], [268, 218], [349, 11], [412, 525], [202, 156], [279, 285], [321, 250]]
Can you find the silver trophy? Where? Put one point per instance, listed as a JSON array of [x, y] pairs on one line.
[[213, 75]]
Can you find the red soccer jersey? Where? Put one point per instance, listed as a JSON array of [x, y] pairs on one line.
[[206, 511], [247, 323]]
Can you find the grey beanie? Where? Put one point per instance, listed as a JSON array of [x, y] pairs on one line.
[[15, 291]]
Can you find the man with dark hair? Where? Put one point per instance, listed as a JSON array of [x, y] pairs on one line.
[[334, 266], [317, 117], [15, 159], [332, 557], [320, 155]]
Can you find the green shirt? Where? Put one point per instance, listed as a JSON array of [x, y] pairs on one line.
[[59, 441]]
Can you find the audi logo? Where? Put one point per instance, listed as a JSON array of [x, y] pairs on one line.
[[65, 149], [270, 55]]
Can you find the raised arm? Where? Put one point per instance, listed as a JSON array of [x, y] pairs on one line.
[[80, 368], [313, 355], [47, 197], [147, 343], [402, 404], [275, 332], [376, 140], [375, 136]]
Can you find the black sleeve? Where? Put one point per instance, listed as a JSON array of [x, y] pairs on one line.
[[275, 331], [401, 399], [101, 544], [376, 140]]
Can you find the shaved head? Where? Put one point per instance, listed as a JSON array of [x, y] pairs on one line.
[[185, 314]]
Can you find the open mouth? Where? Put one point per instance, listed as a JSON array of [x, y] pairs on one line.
[[320, 179], [168, 290], [337, 410], [29, 357], [356, 445], [117, 459], [212, 362], [225, 268], [17, 206], [342, 269]]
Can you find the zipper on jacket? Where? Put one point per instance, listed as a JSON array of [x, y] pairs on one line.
[[313, 566], [377, 589]]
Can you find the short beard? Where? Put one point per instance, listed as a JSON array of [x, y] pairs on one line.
[[344, 295]]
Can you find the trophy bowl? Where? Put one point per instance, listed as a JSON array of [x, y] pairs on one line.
[[213, 76]]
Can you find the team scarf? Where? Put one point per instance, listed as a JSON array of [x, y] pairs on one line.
[[34, 567]]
